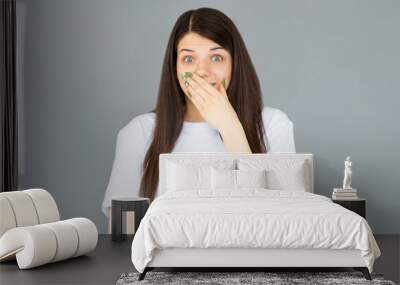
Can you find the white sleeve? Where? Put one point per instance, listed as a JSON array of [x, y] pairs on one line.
[[280, 134], [126, 171]]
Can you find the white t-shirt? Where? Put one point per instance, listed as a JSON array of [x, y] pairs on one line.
[[134, 139]]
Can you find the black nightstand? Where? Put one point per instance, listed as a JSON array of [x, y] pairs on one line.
[[118, 205], [357, 205]]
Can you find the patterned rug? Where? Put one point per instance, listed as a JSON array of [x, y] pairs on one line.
[[270, 278]]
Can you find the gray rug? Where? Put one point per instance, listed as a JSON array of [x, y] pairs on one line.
[[225, 278]]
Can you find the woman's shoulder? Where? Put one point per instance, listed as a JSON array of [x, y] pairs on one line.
[[274, 116], [279, 130], [142, 123]]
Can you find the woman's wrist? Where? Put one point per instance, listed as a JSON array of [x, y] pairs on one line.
[[234, 138], [230, 128]]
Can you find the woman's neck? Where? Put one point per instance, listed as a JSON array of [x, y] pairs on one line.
[[192, 114]]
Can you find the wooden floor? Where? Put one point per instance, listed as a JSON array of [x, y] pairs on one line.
[[111, 259]]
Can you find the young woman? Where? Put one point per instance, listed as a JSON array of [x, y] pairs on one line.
[[209, 100]]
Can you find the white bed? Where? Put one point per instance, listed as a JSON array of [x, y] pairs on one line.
[[207, 225]]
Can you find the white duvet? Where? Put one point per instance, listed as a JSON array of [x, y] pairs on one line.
[[250, 218]]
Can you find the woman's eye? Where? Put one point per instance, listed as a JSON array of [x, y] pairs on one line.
[[184, 59], [218, 57]]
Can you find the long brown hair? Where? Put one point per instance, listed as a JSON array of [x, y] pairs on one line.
[[244, 90]]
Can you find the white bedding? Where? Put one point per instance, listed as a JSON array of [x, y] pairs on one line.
[[250, 218]]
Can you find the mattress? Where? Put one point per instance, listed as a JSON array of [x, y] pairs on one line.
[[253, 218]]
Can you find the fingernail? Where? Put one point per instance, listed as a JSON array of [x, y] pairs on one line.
[[188, 74], [224, 84], [190, 94]]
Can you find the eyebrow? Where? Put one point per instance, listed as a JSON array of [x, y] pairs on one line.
[[190, 50]]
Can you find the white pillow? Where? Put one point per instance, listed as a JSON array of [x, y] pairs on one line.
[[183, 177], [237, 179], [187, 174], [282, 174], [251, 178], [223, 178]]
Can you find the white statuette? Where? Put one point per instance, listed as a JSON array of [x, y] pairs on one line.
[[347, 174]]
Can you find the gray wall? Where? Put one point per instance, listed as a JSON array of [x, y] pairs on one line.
[[88, 67]]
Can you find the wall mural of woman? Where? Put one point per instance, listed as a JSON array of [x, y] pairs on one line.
[[209, 100]]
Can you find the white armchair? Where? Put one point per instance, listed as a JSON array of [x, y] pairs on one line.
[[31, 231]]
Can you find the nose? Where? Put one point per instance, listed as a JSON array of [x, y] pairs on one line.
[[202, 74], [202, 70]]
